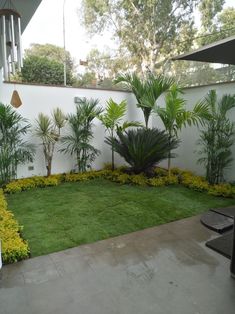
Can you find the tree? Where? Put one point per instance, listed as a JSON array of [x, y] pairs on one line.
[[217, 137], [221, 26], [146, 90], [104, 65], [48, 131], [112, 119], [174, 115], [146, 29], [77, 141], [44, 71], [13, 149], [53, 53]]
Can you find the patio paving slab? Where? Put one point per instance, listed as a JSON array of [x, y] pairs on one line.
[[162, 270]]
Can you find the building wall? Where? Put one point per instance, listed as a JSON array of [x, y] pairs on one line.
[[43, 99], [37, 99]]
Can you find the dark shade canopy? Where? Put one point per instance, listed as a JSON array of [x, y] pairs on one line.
[[222, 51]]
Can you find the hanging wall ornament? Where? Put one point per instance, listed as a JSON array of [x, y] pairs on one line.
[[11, 46], [15, 99]]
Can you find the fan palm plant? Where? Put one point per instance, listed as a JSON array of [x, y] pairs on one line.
[[174, 115], [217, 137], [112, 119], [13, 149], [146, 91], [142, 148], [77, 142], [48, 130]]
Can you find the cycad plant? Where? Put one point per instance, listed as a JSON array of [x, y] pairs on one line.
[[80, 134], [112, 119], [142, 148], [48, 130], [146, 90], [217, 137], [174, 115], [13, 149]]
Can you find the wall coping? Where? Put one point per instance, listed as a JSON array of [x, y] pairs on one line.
[[109, 89]]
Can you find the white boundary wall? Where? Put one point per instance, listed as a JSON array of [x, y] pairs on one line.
[[44, 98]]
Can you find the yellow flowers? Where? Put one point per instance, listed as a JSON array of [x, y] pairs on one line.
[[14, 248]]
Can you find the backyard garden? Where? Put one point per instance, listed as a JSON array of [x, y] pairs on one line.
[[40, 215]]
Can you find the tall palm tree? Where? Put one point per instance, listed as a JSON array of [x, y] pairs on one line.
[[217, 137], [48, 129], [13, 149], [112, 119], [146, 91], [175, 116], [77, 141]]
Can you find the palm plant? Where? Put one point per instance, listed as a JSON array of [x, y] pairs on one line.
[[77, 142], [146, 91], [174, 115], [142, 148], [48, 130], [217, 137], [13, 150], [112, 120]]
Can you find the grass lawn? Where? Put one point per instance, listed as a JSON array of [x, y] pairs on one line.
[[57, 218]]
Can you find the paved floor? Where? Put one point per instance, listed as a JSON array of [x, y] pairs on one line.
[[162, 270]]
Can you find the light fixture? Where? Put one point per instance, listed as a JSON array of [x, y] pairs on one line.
[[11, 46]]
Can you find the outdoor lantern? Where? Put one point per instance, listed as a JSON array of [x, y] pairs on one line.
[[11, 47]]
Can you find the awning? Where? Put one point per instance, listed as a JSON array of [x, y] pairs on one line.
[[222, 51]]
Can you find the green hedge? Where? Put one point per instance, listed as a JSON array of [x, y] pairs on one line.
[[14, 248]]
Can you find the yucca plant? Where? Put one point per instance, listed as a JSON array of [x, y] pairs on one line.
[[142, 148], [77, 141], [146, 90], [112, 119], [48, 131], [13, 149], [217, 137], [175, 116]]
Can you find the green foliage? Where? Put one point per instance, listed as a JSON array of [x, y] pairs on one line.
[[143, 148], [217, 138], [174, 115], [77, 142], [48, 131], [138, 25], [42, 70], [13, 149], [112, 119], [14, 248], [146, 91], [53, 53]]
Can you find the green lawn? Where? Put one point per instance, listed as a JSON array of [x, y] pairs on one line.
[[57, 218]]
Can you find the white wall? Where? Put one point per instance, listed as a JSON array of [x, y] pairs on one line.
[[43, 99], [37, 99]]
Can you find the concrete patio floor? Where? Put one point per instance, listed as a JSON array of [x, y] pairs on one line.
[[161, 270]]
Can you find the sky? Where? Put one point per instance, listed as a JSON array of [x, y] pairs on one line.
[[46, 26]]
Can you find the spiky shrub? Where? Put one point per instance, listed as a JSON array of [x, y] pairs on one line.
[[217, 137], [48, 131], [13, 149], [77, 141], [143, 148]]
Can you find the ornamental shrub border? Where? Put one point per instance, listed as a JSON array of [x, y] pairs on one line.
[[14, 248]]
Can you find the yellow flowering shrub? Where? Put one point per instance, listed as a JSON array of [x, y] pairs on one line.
[[14, 248], [138, 179], [156, 181], [225, 190], [160, 172]]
